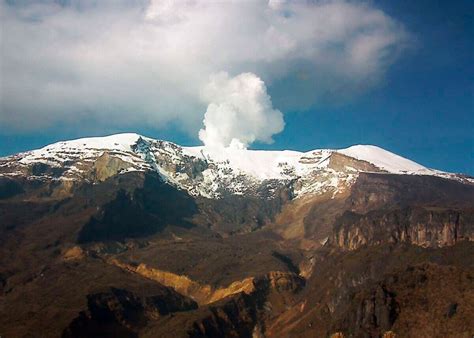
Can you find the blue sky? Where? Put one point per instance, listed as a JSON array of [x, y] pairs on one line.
[[420, 105], [425, 108]]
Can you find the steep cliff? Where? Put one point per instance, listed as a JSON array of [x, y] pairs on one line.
[[427, 227]]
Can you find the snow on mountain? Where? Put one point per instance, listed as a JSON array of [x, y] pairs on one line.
[[82, 148], [384, 159], [213, 172], [261, 164]]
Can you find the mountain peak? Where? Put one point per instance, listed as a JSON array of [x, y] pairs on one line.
[[383, 159]]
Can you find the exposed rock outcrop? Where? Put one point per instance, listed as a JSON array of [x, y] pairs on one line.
[[379, 309], [343, 162], [390, 308], [205, 293], [374, 191], [426, 227], [108, 165], [202, 293], [244, 314], [73, 253]]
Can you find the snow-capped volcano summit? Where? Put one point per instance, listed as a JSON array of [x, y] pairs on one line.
[[210, 172]]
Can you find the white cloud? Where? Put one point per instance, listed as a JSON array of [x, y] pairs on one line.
[[239, 112], [144, 63]]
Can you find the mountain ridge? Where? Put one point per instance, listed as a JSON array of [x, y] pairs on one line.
[[122, 141], [212, 172]]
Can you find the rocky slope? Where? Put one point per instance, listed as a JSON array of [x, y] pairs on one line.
[[127, 236]]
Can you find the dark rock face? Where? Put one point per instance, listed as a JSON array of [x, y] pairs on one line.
[[235, 318], [238, 214], [38, 169], [452, 309], [388, 305], [376, 312], [84, 326], [140, 213], [425, 227], [162, 305], [116, 312], [120, 313], [9, 188], [385, 191]]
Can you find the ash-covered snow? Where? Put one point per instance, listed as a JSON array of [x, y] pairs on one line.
[[213, 172]]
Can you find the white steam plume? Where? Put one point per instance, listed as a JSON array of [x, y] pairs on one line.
[[239, 113]]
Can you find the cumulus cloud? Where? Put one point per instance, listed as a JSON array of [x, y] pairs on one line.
[[145, 63], [239, 112]]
